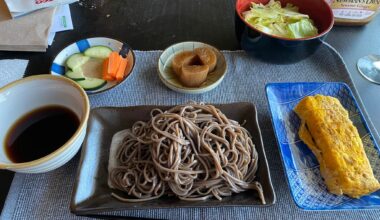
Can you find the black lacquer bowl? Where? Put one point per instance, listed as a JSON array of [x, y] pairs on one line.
[[274, 49]]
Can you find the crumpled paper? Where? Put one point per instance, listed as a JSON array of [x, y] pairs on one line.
[[27, 33], [22, 7]]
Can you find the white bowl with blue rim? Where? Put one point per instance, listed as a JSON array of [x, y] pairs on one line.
[[168, 77], [59, 66]]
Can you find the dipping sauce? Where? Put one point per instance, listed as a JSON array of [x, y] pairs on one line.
[[39, 133]]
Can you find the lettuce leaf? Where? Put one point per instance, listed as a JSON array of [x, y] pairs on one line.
[[302, 28], [283, 22]]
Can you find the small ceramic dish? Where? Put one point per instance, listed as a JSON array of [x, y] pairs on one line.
[[59, 64], [301, 166], [25, 95], [168, 77]]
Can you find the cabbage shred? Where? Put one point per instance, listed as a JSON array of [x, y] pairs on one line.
[[283, 22]]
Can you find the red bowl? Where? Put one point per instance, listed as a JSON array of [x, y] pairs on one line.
[[279, 49]]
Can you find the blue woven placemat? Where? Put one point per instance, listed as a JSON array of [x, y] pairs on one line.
[[47, 196]]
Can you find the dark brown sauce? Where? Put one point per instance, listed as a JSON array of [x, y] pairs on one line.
[[196, 61], [39, 133]]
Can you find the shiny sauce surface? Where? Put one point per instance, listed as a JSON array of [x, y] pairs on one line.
[[39, 133]]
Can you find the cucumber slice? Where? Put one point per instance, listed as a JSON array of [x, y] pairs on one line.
[[101, 52], [92, 83], [76, 74], [76, 60]]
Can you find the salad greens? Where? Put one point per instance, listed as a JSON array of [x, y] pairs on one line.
[[283, 22]]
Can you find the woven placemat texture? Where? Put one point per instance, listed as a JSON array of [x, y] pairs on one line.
[[47, 196]]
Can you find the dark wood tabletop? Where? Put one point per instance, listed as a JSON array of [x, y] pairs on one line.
[[156, 24]]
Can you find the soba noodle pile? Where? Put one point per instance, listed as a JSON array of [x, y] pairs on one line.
[[192, 151]]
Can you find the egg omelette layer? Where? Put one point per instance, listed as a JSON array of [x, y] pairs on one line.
[[330, 134]]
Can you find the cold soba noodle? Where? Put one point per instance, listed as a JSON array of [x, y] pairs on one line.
[[191, 151]]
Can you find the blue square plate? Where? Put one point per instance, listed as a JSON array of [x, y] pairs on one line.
[[301, 167]]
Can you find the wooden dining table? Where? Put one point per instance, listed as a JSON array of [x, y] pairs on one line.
[[156, 24]]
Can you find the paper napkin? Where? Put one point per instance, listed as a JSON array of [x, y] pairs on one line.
[[27, 33]]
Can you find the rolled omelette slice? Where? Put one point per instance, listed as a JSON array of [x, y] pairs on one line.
[[330, 134]]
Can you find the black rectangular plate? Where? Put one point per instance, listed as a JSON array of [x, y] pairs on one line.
[[91, 193]]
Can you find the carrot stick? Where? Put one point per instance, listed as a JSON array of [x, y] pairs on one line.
[[105, 74], [113, 63], [121, 69]]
